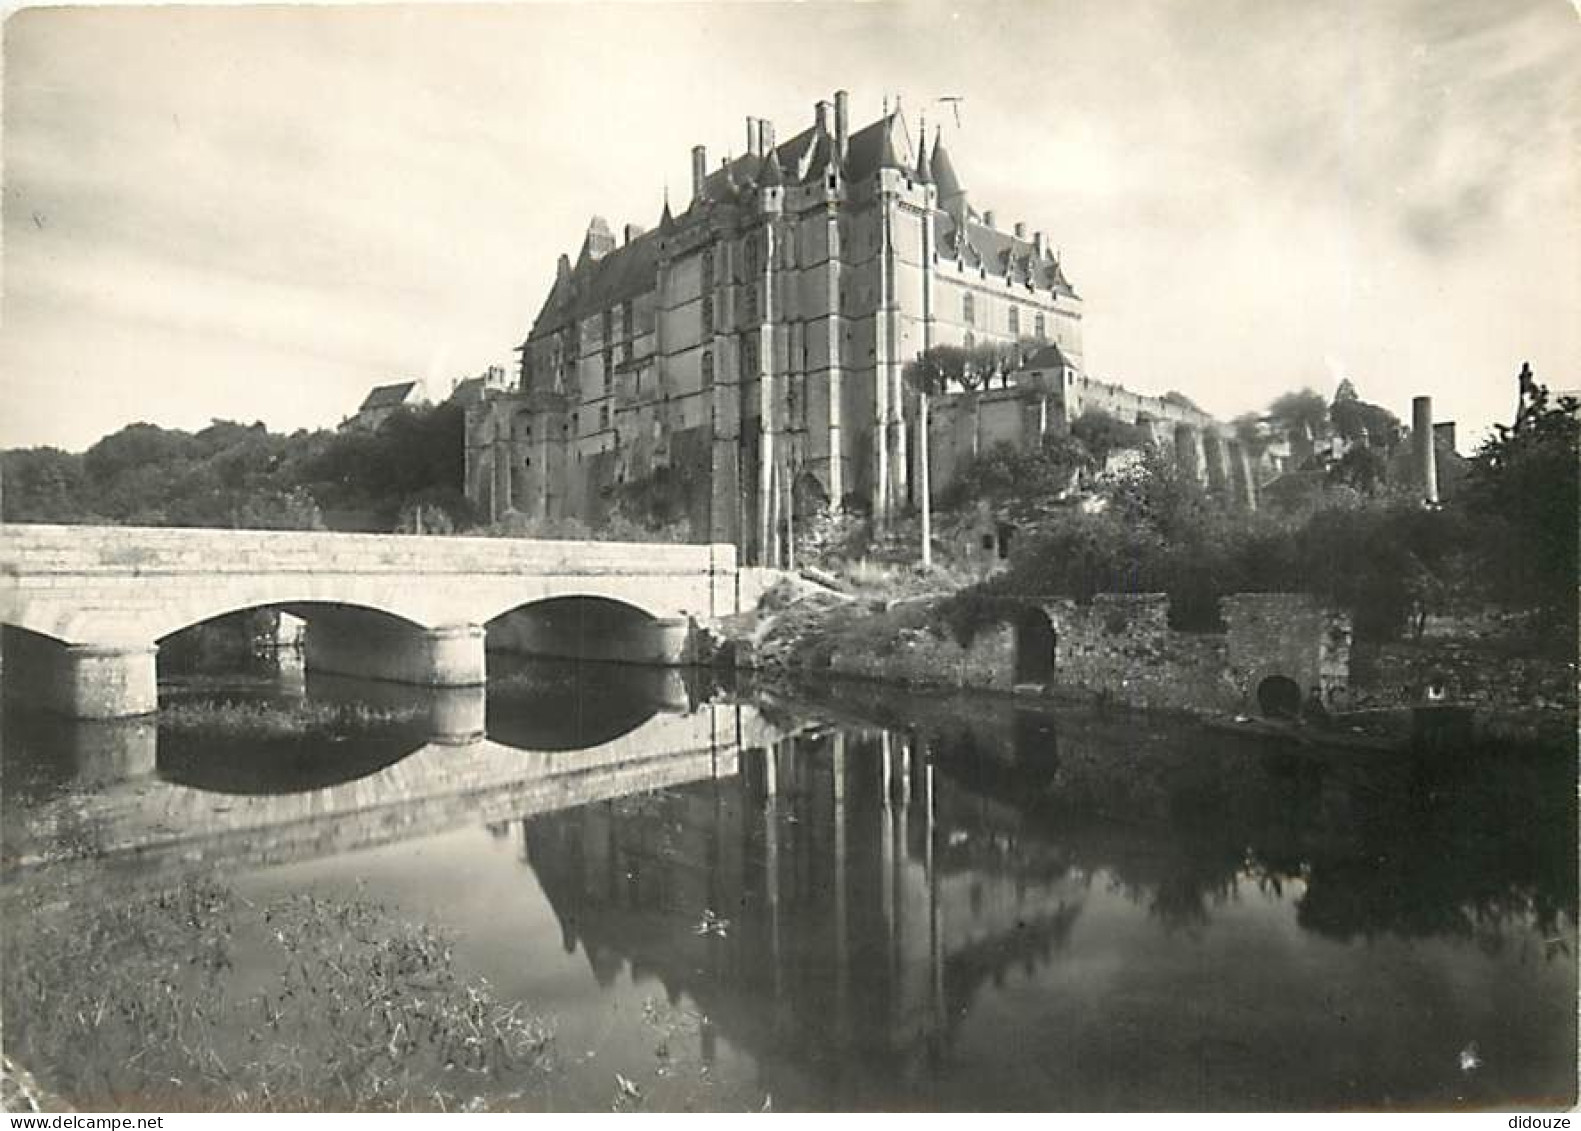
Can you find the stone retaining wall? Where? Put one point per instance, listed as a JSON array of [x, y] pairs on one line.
[[1391, 675], [1122, 648]]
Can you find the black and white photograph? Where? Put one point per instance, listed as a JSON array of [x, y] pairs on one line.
[[900, 556]]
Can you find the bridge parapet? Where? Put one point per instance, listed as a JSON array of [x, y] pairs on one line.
[[120, 590]]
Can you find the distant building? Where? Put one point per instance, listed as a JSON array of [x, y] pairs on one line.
[[471, 391], [380, 403], [1049, 392]]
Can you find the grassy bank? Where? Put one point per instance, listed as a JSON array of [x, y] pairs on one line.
[[139, 1004]]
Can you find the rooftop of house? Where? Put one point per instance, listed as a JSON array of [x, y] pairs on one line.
[[388, 396]]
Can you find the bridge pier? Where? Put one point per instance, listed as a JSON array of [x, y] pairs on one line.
[[447, 656], [100, 680]]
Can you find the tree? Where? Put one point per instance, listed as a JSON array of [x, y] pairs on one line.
[[1101, 434], [1298, 410], [45, 485], [1355, 419], [1250, 433], [1522, 492]]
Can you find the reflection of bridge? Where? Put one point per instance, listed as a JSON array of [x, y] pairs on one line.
[[93, 602], [148, 820]]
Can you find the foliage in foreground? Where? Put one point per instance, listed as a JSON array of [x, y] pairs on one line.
[[133, 1004]]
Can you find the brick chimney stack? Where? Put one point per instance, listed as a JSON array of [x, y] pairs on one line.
[[754, 139], [842, 123]]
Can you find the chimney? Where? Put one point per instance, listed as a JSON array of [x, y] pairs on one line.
[[1021, 229], [563, 267], [1424, 460], [1040, 244], [842, 105], [988, 220], [765, 136], [699, 170], [752, 136], [821, 116], [633, 231]]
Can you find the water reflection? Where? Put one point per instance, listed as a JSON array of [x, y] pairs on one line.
[[883, 888], [868, 899]]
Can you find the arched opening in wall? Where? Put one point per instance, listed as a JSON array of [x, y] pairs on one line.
[[288, 698], [1279, 697], [569, 673], [1036, 644]]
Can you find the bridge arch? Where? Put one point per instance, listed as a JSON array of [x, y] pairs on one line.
[[589, 626]]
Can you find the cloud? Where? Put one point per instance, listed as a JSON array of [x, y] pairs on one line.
[[326, 197]]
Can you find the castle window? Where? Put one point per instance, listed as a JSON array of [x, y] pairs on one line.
[[749, 356], [626, 331], [970, 340], [708, 314], [1039, 328], [603, 416], [969, 309], [609, 369], [708, 268], [707, 367], [1015, 319], [609, 326], [749, 254]]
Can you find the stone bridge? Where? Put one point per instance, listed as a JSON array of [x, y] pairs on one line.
[[92, 603]]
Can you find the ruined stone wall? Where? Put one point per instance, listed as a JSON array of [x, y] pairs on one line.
[[1121, 647], [917, 656], [1390, 675], [1286, 634]]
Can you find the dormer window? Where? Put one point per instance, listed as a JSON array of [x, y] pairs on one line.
[[969, 309]]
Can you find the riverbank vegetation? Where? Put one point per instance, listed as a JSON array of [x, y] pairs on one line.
[[404, 474], [1505, 537], [262, 718], [136, 1004]]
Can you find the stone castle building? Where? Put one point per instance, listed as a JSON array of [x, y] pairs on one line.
[[747, 352]]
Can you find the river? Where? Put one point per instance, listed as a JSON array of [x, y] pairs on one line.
[[844, 898]]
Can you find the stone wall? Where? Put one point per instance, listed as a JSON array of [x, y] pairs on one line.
[[1391, 675], [1121, 647], [917, 656], [1287, 634]]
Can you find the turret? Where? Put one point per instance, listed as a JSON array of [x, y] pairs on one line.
[[924, 167], [952, 197]]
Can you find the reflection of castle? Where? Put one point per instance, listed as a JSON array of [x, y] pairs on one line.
[[867, 888], [867, 897]]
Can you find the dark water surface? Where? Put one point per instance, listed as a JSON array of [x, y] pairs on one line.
[[865, 899]]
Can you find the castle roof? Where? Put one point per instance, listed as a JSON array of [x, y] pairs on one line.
[[594, 285], [1049, 356], [944, 170], [871, 148], [996, 252]]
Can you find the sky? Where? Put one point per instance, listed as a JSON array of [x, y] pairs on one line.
[[259, 213]]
